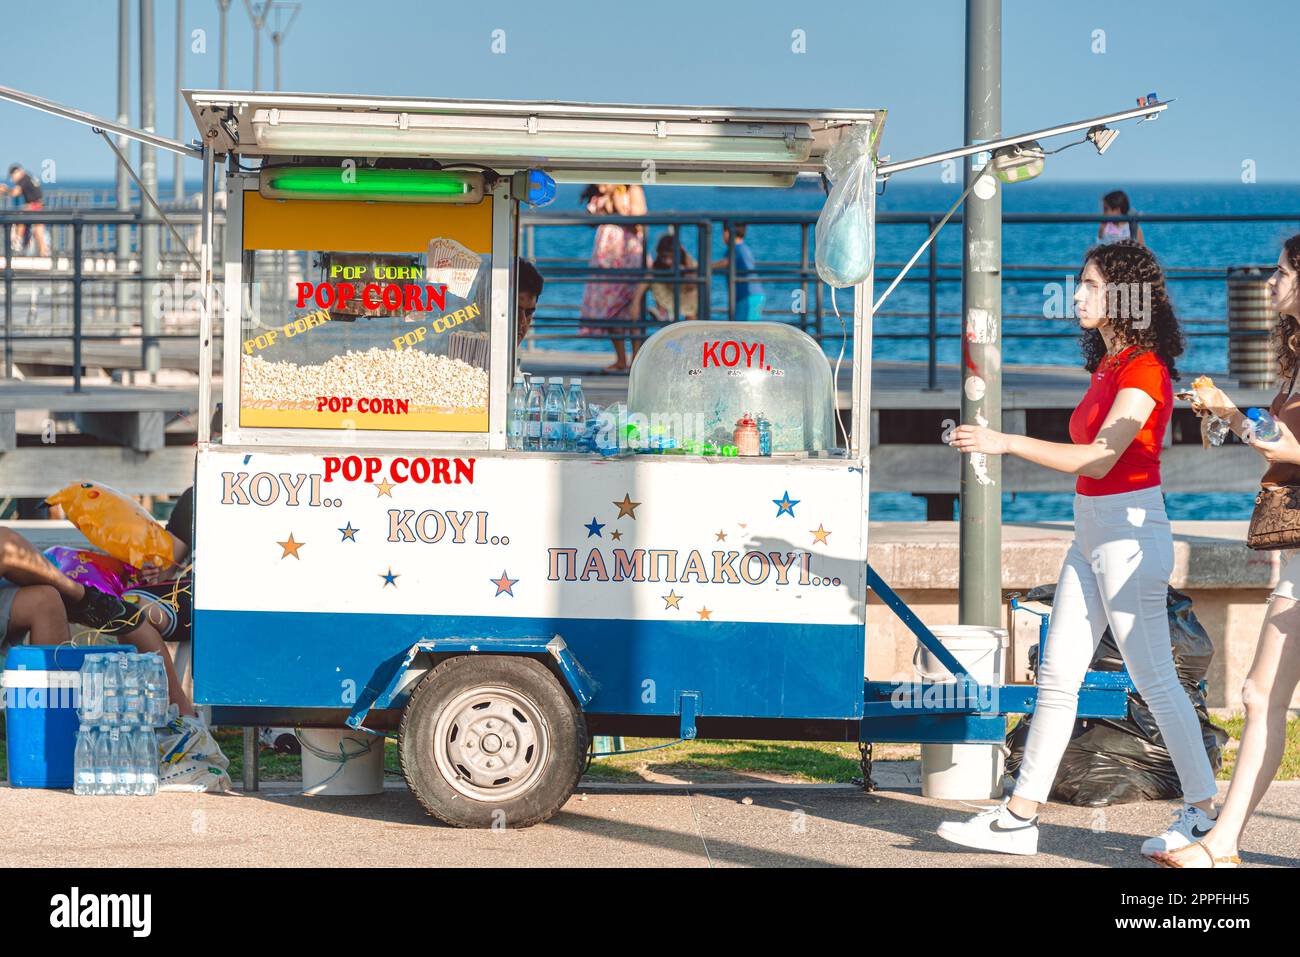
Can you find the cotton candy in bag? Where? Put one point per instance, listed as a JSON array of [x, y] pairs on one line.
[[844, 237]]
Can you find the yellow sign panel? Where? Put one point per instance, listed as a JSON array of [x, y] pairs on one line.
[[363, 227]]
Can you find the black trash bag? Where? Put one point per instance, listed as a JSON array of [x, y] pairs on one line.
[[1111, 761]]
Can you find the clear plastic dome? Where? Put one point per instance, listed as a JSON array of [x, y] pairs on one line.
[[694, 380]]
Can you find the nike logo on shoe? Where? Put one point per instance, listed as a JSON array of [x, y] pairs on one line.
[[997, 828]]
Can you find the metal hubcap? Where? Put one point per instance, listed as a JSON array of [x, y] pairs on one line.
[[491, 744]]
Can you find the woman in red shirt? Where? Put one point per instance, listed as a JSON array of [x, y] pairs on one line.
[[1117, 569]]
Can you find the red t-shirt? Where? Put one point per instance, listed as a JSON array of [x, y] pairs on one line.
[[1139, 466]]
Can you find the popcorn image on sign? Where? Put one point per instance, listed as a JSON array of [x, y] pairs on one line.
[[451, 264]]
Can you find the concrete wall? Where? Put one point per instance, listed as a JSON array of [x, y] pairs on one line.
[[1227, 582]]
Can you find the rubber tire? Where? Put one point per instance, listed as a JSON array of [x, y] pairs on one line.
[[526, 676]]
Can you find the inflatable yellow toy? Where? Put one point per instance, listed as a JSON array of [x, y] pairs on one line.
[[117, 524]]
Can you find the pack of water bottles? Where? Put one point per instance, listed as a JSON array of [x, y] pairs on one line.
[[544, 416], [123, 697]]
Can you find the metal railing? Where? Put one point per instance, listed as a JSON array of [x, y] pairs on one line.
[[93, 284], [95, 293], [565, 321]]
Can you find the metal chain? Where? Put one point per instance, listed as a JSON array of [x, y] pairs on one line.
[[864, 761]]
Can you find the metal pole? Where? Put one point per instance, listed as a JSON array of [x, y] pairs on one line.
[[207, 199], [76, 306], [932, 371], [150, 325], [9, 301], [122, 230], [224, 7], [981, 401], [257, 14], [178, 169]]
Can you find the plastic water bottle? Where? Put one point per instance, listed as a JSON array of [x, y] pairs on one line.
[[553, 415], [133, 683], [83, 760], [146, 762], [1266, 427], [575, 415], [764, 435], [91, 704], [533, 418], [155, 691], [517, 410], [103, 761], [112, 686], [122, 755]]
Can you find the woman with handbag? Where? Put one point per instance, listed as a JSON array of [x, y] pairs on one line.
[[1275, 524], [1117, 569]]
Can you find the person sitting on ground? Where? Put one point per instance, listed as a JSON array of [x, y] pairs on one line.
[[39, 601], [662, 292]]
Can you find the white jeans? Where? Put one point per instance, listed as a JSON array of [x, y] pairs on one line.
[[1116, 572]]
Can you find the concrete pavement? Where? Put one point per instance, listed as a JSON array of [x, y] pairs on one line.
[[603, 825]]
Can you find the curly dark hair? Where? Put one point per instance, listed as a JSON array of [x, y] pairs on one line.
[[1286, 334], [1132, 271]]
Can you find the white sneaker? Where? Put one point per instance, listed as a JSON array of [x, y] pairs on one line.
[[1190, 824], [994, 829]]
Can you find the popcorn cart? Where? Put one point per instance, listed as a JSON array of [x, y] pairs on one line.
[[370, 551]]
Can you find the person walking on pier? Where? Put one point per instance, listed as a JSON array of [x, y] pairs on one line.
[[22, 184], [1117, 569], [1275, 672], [617, 246]]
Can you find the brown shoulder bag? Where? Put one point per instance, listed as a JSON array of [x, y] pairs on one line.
[[1275, 523]]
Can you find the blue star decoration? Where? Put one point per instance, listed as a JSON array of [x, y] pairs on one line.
[[594, 528], [389, 578], [785, 505], [349, 533], [504, 584]]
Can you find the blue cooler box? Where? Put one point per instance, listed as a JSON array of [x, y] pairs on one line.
[[42, 687]]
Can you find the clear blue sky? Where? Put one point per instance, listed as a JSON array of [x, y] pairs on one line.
[[1231, 67]]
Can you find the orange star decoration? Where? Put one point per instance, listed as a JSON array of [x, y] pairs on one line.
[[385, 488], [704, 614], [721, 536], [615, 535], [819, 534], [672, 600], [291, 547], [627, 507]]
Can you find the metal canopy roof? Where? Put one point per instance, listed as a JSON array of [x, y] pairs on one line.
[[574, 138]]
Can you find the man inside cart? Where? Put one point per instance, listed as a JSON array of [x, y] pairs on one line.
[[530, 283], [39, 601]]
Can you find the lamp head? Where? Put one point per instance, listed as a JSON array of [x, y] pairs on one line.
[[1101, 137]]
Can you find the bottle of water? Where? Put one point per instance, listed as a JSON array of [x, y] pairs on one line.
[[575, 415], [122, 755], [517, 412], [112, 685], [553, 415], [155, 691], [533, 418], [764, 435], [146, 762], [91, 704], [133, 683], [83, 759], [103, 761], [1266, 428]]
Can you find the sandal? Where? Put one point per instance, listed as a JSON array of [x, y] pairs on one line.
[[1165, 859]]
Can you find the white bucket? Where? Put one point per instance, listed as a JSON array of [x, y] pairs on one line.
[[339, 761], [963, 772]]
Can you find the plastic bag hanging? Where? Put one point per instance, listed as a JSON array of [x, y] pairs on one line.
[[845, 240]]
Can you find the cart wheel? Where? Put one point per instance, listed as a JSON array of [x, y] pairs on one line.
[[492, 741]]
